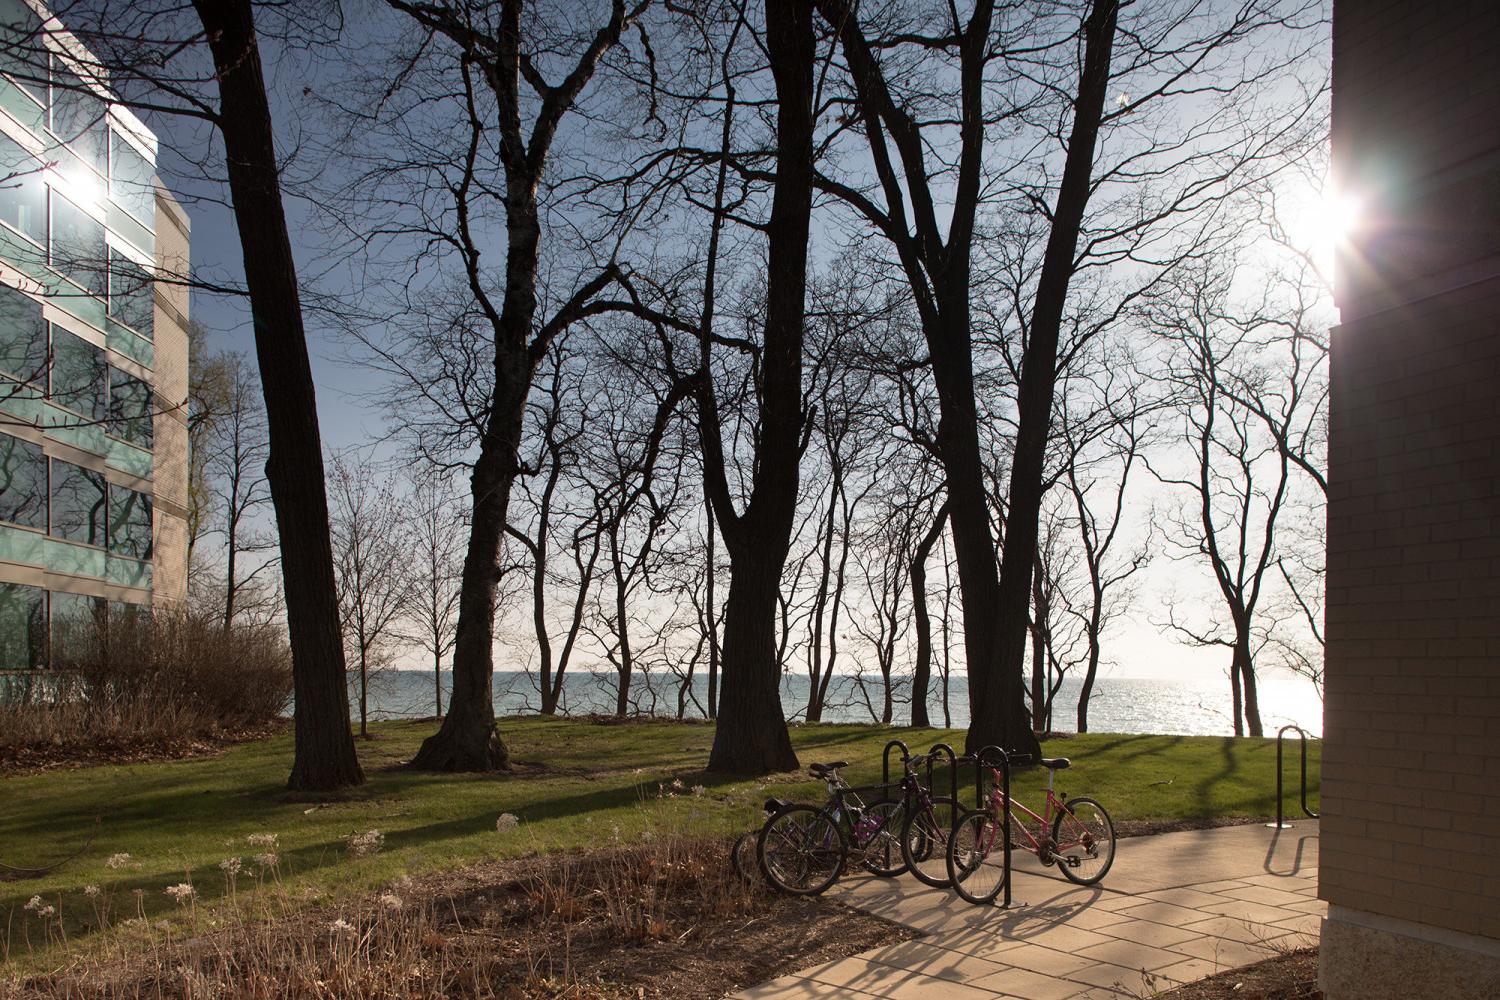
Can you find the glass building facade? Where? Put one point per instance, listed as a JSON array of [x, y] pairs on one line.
[[93, 351]]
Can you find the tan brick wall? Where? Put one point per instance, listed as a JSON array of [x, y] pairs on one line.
[[170, 466], [1411, 782]]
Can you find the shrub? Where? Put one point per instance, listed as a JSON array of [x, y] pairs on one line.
[[130, 679]]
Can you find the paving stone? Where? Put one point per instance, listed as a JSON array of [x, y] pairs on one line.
[[1263, 894], [932, 960], [1132, 955], [1191, 970], [1260, 913], [797, 988], [1154, 934], [1167, 913], [1192, 898], [1048, 961], [1108, 975], [1220, 886], [1231, 929], [1028, 984], [1225, 954], [1317, 906]]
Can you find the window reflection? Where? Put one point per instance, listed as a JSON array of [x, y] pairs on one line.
[[78, 504], [23, 627], [23, 339], [79, 375], [23, 483], [129, 523]]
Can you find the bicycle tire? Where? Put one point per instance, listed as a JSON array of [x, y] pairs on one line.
[[885, 860], [924, 841], [976, 857], [1094, 832], [801, 850], [742, 856]]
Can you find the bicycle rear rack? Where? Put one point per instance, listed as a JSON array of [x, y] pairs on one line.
[[1281, 823]]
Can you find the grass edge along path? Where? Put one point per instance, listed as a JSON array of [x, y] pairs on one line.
[[576, 784]]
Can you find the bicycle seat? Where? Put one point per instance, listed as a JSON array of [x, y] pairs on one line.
[[822, 769], [1054, 763]]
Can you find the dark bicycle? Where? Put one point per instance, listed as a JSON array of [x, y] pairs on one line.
[[803, 848]]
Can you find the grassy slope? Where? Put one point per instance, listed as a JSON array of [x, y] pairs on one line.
[[575, 782]]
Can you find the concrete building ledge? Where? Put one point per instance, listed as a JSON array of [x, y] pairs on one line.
[[1369, 956]]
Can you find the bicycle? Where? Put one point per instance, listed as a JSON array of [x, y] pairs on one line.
[[1081, 841], [802, 848]]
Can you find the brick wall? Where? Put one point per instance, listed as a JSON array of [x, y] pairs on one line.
[[1411, 782]]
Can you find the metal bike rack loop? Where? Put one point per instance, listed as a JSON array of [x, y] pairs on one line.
[[1280, 823], [952, 768], [885, 760], [997, 753]]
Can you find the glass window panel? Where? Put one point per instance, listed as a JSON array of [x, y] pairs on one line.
[[23, 483], [78, 626], [23, 338], [132, 180], [129, 408], [131, 299], [23, 191], [23, 48], [23, 627], [129, 523], [80, 376], [78, 116], [78, 504], [78, 246]]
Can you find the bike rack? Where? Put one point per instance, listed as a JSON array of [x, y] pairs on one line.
[[952, 768], [1004, 761], [1280, 823], [885, 760]]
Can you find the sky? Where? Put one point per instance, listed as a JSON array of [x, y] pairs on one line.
[[350, 419]]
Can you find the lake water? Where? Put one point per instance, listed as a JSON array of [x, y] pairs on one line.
[[1197, 707]]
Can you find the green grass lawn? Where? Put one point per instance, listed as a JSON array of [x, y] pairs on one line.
[[575, 784]]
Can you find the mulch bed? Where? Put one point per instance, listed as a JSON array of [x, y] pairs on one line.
[[1293, 976]]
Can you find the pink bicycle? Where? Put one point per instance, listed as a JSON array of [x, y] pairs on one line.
[[1077, 835]]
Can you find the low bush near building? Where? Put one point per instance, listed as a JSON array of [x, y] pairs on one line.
[[122, 685]]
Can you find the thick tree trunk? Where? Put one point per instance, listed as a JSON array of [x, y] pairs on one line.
[[364, 696], [1038, 383], [751, 736], [324, 756], [437, 679], [921, 677], [468, 739]]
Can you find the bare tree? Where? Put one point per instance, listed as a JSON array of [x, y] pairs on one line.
[[1238, 481], [437, 528], [235, 469], [372, 546]]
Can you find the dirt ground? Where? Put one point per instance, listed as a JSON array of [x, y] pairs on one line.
[[1286, 977]]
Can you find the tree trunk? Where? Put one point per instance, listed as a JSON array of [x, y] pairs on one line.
[[437, 678], [1247, 682], [1037, 385], [713, 623], [1038, 656], [324, 756], [921, 676], [1086, 691], [468, 739], [364, 695], [752, 735]]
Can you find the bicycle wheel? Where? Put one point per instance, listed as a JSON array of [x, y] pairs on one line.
[[1084, 836], [924, 841], [976, 857], [878, 834], [742, 855], [801, 850]]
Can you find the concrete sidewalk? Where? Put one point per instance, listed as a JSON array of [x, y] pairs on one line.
[[1175, 908]]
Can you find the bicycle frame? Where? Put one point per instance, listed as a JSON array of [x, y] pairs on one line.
[[1051, 806]]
